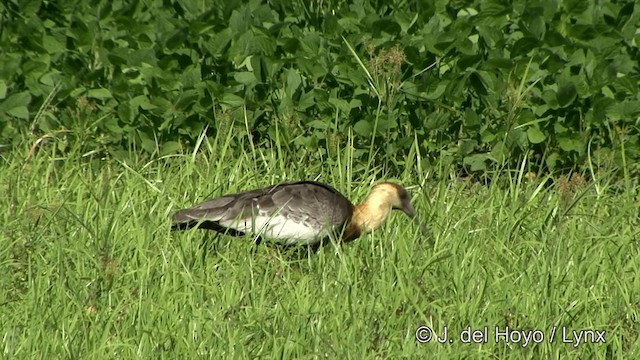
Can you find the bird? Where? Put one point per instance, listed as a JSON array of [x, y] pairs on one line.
[[297, 213]]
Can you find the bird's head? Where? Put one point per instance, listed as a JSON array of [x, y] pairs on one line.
[[385, 197], [392, 195]]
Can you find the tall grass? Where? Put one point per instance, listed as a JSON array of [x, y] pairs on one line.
[[91, 269]]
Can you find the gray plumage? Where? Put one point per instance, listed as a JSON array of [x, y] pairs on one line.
[[296, 212]]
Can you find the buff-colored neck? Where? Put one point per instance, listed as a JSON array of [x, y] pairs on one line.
[[374, 210]]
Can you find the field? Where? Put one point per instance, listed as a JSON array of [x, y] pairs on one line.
[[92, 270], [515, 125]]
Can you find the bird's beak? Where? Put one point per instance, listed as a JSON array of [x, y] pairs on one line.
[[408, 209]]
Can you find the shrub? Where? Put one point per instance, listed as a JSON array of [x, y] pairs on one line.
[[472, 84]]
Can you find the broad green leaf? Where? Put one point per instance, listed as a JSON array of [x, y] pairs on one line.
[[558, 128], [435, 92], [405, 19], [385, 124], [312, 68], [331, 25], [471, 119], [499, 152], [52, 45], [524, 46], [20, 112], [50, 78], [242, 48], [525, 116], [355, 103], [293, 81], [517, 137], [536, 26], [490, 35], [100, 94], [112, 124], [177, 39], [318, 124], [478, 84], [311, 43], [266, 45], [467, 146], [170, 147], [476, 162], [148, 144], [626, 110], [488, 136], [340, 104], [306, 100], [571, 144], [566, 95], [35, 68], [363, 128], [469, 61], [232, 100], [191, 7], [576, 6], [143, 102], [245, 77], [624, 64], [436, 121], [239, 21], [628, 15], [219, 42], [3, 89], [499, 63], [534, 135], [142, 56], [541, 109], [191, 76], [494, 8], [387, 25], [15, 100], [125, 113], [344, 105], [550, 97], [553, 160]]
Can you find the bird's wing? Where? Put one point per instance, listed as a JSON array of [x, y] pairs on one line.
[[226, 207], [312, 204]]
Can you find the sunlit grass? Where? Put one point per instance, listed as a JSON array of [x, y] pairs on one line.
[[91, 269]]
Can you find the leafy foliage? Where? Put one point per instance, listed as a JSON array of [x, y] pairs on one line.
[[92, 271], [476, 84]]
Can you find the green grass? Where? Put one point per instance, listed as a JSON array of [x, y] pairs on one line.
[[90, 268]]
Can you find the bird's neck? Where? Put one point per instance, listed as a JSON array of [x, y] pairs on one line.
[[368, 215]]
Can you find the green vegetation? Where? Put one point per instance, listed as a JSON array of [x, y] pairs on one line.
[[114, 114], [478, 84], [92, 270]]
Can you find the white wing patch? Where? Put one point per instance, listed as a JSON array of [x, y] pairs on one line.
[[279, 228]]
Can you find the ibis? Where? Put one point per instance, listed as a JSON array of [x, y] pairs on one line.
[[297, 213]]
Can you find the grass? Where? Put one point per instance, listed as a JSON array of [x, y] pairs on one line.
[[91, 269]]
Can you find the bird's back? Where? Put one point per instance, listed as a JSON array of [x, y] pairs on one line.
[[295, 212]]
